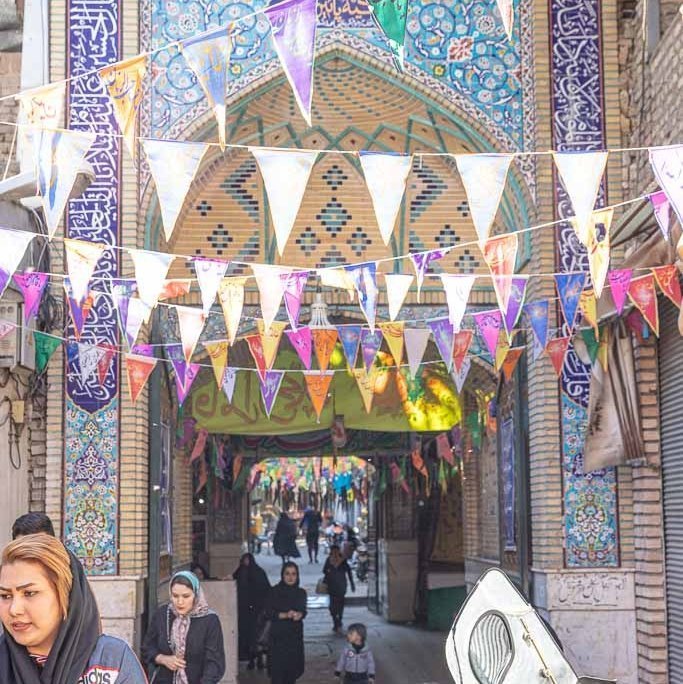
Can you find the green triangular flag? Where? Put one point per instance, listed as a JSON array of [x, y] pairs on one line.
[[591, 342], [45, 348], [391, 16], [239, 483]]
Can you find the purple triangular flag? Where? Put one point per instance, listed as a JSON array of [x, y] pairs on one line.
[[370, 342], [569, 289], [515, 303], [537, 314], [421, 262], [489, 324], [270, 386], [32, 285], [185, 378], [294, 284], [662, 211], [143, 350], [444, 335], [302, 341], [349, 336]]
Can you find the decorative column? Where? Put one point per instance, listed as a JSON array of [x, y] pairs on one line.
[[91, 410]]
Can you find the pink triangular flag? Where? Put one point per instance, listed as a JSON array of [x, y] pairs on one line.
[[662, 211], [302, 341], [500, 254], [619, 281], [489, 324], [294, 283], [32, 285], [210, 273], [191, 323]]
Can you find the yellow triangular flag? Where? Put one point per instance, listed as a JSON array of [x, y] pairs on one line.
[[366, 385], [218, 353], [270, 341], [393, 334]]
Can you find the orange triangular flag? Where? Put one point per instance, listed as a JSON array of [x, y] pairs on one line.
[[318, 386], [138, 370], [324, 340], [669, 281], [511, 361], [461, 346], [256, 349], [643, 293], [557, 351]]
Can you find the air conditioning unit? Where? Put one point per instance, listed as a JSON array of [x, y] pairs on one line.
[[17, 348]]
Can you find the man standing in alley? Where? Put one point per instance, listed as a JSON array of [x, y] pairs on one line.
[[310, 524]]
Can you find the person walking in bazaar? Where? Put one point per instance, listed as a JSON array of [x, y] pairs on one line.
[[284, 542], [311, 523], [335, 573], [52, 631], [184, 642]]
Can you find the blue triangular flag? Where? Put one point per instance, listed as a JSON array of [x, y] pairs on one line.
[[350, 339], [569, 289]]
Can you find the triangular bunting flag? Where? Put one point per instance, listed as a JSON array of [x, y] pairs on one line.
[[270, 386], [461, 347], [370, 342], [293, 24], [138, 313], [302, 341], [318, 386], [173, 166], [502, 350], [366, 385], [619, 281], [121, 291], [184, 380], [557, 351], [669, 281], [365, 281], [667, 163], [324, 340], [510, 362], [515, 303], [208, 55], [397, 285], [81, 259], [643, 293], [123, 81], [421, 262], [44, 109], [14, 244], [507, 15], [89, 356], [391, 16], [218, 353], [151, 269], [174, 288], [457, 288], [294, 283], [229, 382], [444, 334], [270, 341], [484, 177], [285, 176], [393, 334], [138, 370], [45, 346], [569, 289], [537, 313], [416, 340], [592, 343], [60, 159], [79, 313], [500, 254], [581, 174], [256, 349], [599, 250], [589, 308], [105, 361], [210, 274], [32, 284], [349, 335], [460, 374], [191, 323], [386, 176], [231, 297], [338, 278], [489, 325], [271, 290], [603, 347], [662, 211]]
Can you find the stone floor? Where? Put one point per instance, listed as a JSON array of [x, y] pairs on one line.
[[404, 654]]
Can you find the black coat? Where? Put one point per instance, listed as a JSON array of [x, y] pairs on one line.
[[204, 651], [284, 541], [287, 658], [252, 593], [335, 578]]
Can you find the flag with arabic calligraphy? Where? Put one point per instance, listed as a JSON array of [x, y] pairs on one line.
[[32, 284]]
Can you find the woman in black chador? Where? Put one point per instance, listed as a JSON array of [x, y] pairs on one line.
[[286, 608], [284, 541], [252, 592]]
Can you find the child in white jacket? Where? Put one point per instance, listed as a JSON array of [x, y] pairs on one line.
[[356, 662]]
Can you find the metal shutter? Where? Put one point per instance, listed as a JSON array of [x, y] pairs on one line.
[[671, 403]]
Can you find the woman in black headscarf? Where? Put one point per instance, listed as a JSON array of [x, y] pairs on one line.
[[286, 608], [284, 541], [52, 625], [252, 592]]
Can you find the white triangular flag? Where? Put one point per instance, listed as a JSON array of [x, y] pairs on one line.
[[581, 174], [81, 259], [484, 177], [138, 313], [210, 274], [231, 296], [507, 15], [60, 158], [173, 166], [271, 290], [151, 269], [229, 382], [667, 164], [398, 286], [416, 340], [459, 376], [457, 288], [13, 244], [285, 176], [386, 176], [191, 323], [89, 356]]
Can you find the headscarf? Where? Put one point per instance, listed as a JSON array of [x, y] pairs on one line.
[[75, 642], [181, 623]]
